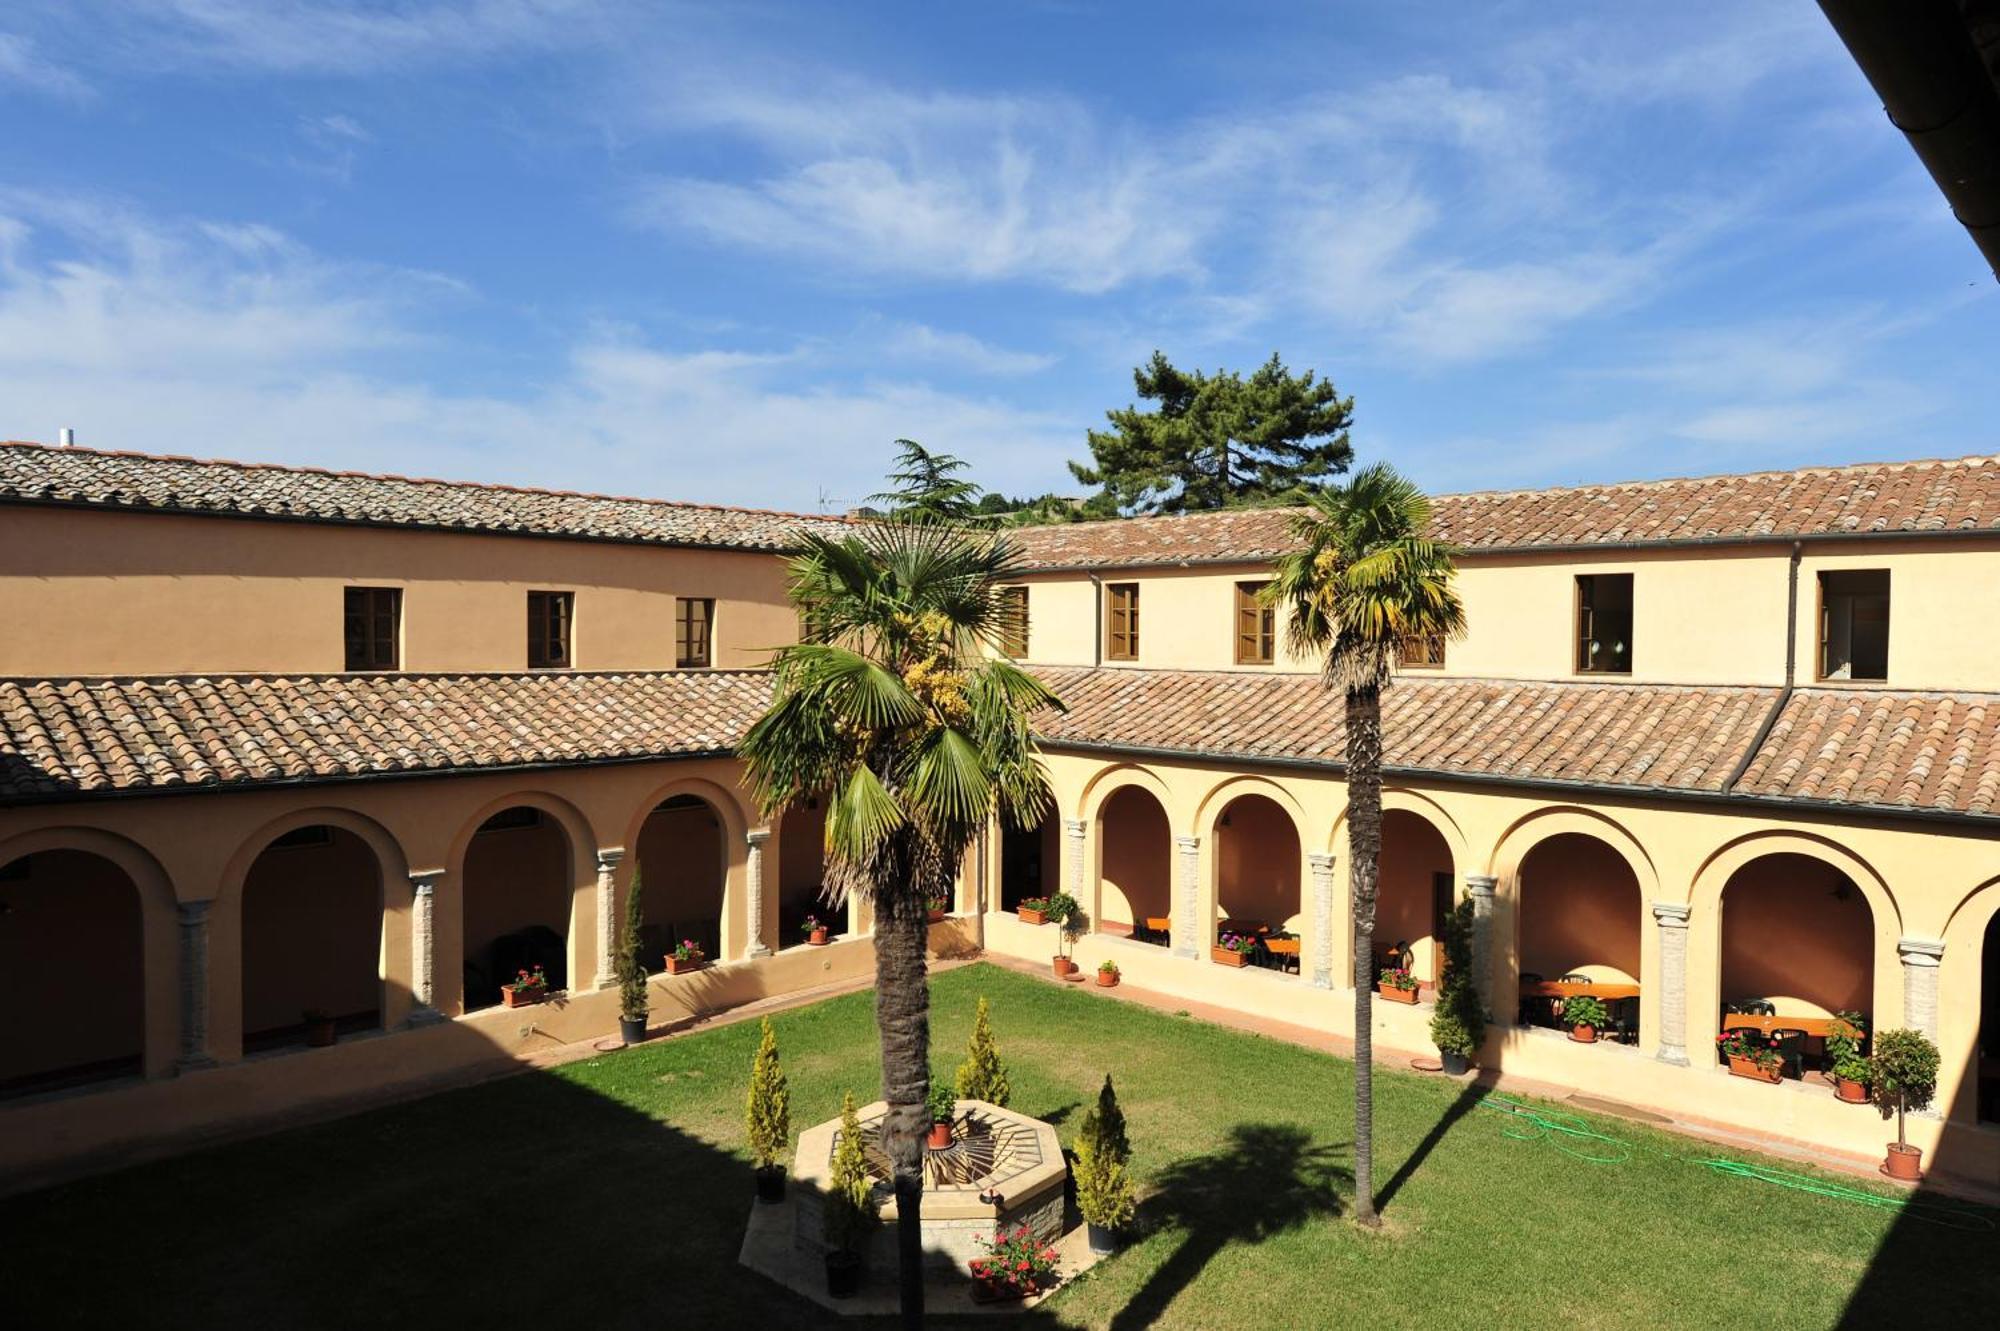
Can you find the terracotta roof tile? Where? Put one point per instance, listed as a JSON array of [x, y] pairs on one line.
[[38, 473], [1909, 750]]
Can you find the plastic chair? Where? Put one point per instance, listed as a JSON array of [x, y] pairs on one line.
[[1525, 1017], [1624, 1019]]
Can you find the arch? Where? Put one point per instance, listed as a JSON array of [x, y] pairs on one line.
[[1725, 860], [1134, 845], [690, 890], [1406, 800], [1522, 835], [520, 883], [800, 835], [1969, 1008], [1258, 864], [388, 851], [1108, 781], [1415, 888], [574, 822], [1220, 795], [310, 913], [1579, 910]]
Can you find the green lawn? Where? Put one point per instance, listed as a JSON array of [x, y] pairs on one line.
[[613, 1193]]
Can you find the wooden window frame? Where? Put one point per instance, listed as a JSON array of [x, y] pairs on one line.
[[379, 651], [1580, 638], [1121, 622], [1014, 621], [1256, 643], [541, 635], [1421, 651], [685, 658], [1820, 674]]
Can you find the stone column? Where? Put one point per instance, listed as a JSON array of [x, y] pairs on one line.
[[1671, 917], [1322, 916], [753, 878], [1479, 887], [1074, 831], [423, 946], [608, 858], [1187, 895], [1920, 983], [194, 986]]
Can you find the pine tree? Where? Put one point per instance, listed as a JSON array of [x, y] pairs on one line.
[[1219, 439], [849, 1212], [1103, 1152], [768, 1114], [927, 486], [631, 972], [982, 1076], [1458, 1025]]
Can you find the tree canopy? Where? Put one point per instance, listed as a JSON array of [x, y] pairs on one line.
[[926, 486], [1219, 439]]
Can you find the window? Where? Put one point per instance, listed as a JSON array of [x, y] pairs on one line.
[[549, 616], [1604, 624], [694, 629], [1256, 625], [1854, 624], [1421, 652], [374, 625], [1014, 621], [1124, 620]]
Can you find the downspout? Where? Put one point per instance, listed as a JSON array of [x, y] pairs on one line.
[[1791, 672], [1097, 621]]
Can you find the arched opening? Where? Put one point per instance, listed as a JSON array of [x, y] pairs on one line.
[[1257, 877], [1798, 941], [1580, 927], [312, 939], [1135, 846], [1413, 894], [802, 875], [1986, 1055], [71, 938], [684, 857], [1028, 861], [517, 898]]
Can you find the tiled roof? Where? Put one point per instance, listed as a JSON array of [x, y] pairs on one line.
[[1644, 736], [1911, 750], [38, 473], [1870, 498], [62, 738]]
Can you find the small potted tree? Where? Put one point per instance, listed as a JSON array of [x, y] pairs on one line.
[[1033, 910], [1750, 1055], [1233, 950], [1067, 915], [944, 1108], [848, 1215], [1585, 1016], [982, 1076], [319, 1027], [687, 956], [1903, 1076], [1107, 974], [527, 986], [815, 932], [768, 1118], [1103, 1182], [1843, 1049], [1458, 1027], [1397, 985], [631, 972]]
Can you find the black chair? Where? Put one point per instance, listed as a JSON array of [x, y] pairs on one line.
[[1574, 977], [1525, 1017], [1792, 1048], [1752, 1007], [1623, 1022]]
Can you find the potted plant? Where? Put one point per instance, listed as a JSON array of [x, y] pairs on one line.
[[1458, 1026], [527, 986], [1107, 974], [982, 1076], [1066, 914], [1103, 1183], [934, 910], [848, 1215], [1585, 1016], [814, 931], [944, 1108], [1397, 985], [1016, 1265], [319, 1027], [1233, 950], [1750, 1054], [1843, 1049], [686, 956], [767, 1118], [1033, 910], [1903, 1076], [630, 971]]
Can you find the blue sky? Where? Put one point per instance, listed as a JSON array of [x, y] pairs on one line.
[[730, 253]]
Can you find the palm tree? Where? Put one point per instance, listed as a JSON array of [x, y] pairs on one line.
[[1365, 579], [897, 705]]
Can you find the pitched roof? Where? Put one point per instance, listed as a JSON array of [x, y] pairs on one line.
[[38, 473], [63, 738], [1865, 499], [1910, 750]]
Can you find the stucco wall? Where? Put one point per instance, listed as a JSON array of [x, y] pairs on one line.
[[1581, 911], [1797, 931], [71, 937], [312, 933], [1137, 859], [1257, 863]]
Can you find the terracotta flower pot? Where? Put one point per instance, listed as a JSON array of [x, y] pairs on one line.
[[1107, 979], [988, 1290], [940, 1138], [676, 966], [933, 917], [1033, 916], [1852, 1092], [1395, 995], [1904, 1163], [817, 938], [524, 997], [320, 1033], [1064, 966], [1747, 1067], [1583, 1034]]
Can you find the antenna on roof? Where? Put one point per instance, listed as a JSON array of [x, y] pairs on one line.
[[65, 437]]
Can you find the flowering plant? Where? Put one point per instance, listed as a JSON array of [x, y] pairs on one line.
[[1760, 1050], [1034, 903], [1238, 943], [686, 950], [525, 980], [1015, 1260], [1107, 968], [938, 903], [810, 925], [1398, 977]]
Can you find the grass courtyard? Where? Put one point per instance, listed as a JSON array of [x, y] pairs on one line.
[[613, 1192]]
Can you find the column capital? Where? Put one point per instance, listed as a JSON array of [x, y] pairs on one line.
[[1920, 951], [756, 836], [608, 858], [1320, 861], [1481, 884], [425, 881], [1187, 843], [1671, 914], [1075, 827], [194, 913]]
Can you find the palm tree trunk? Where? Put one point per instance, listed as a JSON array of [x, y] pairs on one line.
[[902, 1015], [1364, 862]]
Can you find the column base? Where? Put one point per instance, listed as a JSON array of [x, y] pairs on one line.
[[1187, 953], [424, 1015], [1677, 1057], [758, 950], [194, 1063], [1322, 981]]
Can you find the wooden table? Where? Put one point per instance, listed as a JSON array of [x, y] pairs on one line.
[[1745, 1021], [1572, 989]]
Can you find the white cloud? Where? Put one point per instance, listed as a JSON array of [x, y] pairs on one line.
[[23, 67], [924, 344]]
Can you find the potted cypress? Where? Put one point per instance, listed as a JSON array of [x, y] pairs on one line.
[[848, 1216], [944, 1108], [1585, 1016], [982, 1076], [768, 1118], [1458, 1027], [1103, 1181], [631, 972], [1843, 1048], [1903, 1076]]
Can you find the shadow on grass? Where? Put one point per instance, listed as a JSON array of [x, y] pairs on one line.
[[1468, 1099], [1270, 1178]]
